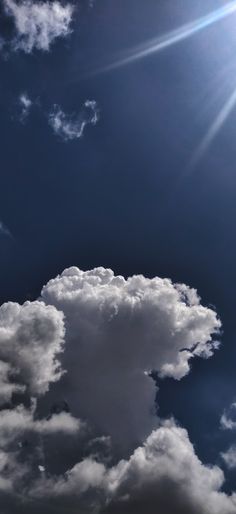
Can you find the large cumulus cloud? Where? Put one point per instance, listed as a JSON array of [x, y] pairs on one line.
[[78, 426], [117, 332]]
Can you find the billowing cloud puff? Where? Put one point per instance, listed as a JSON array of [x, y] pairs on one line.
[[166, 476], [162, 476], [31, 337], [38, 24], [70, 127], [117, 331]]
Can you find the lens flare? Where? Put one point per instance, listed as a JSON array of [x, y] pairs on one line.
[[171, 38], [213, 131]]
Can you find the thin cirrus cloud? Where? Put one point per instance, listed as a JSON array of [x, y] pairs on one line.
[[92, 339], [4, 231], [38, 24], [70, 127]]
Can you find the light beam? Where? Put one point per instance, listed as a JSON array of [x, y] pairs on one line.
[[171, 38], [213, 131]]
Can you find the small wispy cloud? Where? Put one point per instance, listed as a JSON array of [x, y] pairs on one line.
[[38, 24], [4, 231], [72, 126], [229, 457], [228, 419], [25, 104]]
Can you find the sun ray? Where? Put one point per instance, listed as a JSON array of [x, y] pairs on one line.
[[213, 131], [160, 43]]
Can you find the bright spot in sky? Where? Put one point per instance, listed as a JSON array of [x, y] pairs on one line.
[[175, 36], [169, 39]]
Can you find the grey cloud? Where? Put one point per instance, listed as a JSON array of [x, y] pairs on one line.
[[38, 24], [10, 472], [20, 420], [7, 387], [70, 127], [163, 475]]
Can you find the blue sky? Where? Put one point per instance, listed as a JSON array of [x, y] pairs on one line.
[[129, 167]]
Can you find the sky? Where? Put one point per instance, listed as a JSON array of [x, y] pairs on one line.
[[117, 257]]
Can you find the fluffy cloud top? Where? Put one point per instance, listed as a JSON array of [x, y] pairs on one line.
[[38, 24], [72, 127]]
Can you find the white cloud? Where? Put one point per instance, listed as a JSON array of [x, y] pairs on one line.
[[116, 331], [228, 422], [229, 457], [70, 127], [25, 104], [228, 419], [38, 24], [31, 337]]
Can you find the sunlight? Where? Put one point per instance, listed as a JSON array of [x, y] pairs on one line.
[[213, 131], [172, 37]]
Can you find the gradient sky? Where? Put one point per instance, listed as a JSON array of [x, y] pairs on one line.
[[149, 187]]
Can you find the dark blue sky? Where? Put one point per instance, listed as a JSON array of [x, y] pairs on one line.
[[121, 196]]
